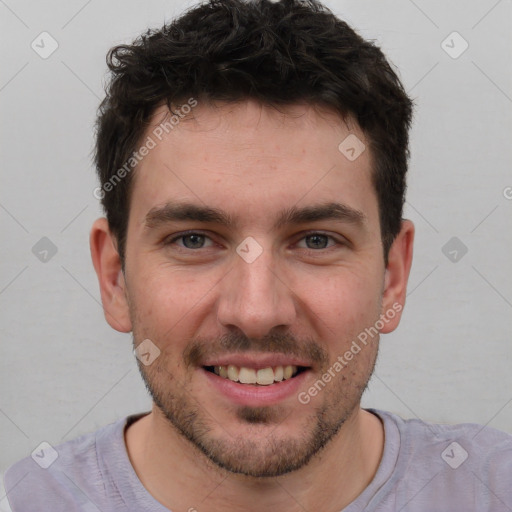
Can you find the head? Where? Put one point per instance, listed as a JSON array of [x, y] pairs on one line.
[[252, 158]]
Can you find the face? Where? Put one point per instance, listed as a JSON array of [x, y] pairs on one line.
[[253, 261]]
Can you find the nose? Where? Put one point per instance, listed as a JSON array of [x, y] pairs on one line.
[[255, 298]]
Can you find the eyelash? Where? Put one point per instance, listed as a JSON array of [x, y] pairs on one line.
[[337, 241]]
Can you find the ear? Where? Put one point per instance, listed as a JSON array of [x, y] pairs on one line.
[[396, 277], [107, 264]]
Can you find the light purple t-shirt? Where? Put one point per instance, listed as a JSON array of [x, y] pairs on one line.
[[424, 468]]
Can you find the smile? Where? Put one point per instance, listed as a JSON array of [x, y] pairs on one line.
[[262, 377]]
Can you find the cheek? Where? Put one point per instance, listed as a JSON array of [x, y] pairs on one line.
[[163, 297], [344, 301]]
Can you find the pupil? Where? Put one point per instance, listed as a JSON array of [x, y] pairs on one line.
[[319, 241], [196, 241]]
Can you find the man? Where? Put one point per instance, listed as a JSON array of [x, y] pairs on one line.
[[252, 158]]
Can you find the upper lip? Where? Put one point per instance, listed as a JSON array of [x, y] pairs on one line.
[[256, 361]]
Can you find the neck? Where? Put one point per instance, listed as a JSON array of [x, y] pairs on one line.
[[180, 477]]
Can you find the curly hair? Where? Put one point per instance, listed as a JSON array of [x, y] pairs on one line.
[[276, 52]]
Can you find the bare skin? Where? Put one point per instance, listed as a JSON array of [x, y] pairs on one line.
[[316, 285]]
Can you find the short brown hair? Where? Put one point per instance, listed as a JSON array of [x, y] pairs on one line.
[[278, 53]]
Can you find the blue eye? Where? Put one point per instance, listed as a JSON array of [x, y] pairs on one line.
[[318, 241], [191, 240], [195, 241]]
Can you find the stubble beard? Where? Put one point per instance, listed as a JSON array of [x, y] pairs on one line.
[[271, 455]]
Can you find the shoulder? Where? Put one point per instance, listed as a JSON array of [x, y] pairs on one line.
[[480, 443], [67, 477], [472, 437], [467, 462]]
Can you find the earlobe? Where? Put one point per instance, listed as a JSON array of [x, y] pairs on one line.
[[108, 268], [396, 276]]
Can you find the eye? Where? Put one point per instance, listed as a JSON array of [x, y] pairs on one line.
[[318, 241], [191, 240]]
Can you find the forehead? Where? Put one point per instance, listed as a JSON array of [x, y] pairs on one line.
[[252, 161]]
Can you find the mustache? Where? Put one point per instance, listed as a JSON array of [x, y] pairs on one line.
[[200, 349]]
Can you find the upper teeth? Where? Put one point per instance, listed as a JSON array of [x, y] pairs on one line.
[[264, 376]]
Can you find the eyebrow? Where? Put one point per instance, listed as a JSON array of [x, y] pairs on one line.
[[176, 212]]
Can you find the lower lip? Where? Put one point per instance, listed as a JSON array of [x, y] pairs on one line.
[[255, 395]]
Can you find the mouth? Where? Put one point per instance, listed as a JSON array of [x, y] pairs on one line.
[[254, 376], [256, 379]]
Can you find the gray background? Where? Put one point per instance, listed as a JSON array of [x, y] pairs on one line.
[[65, 372]]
